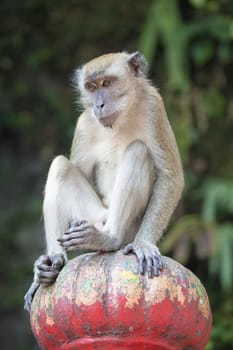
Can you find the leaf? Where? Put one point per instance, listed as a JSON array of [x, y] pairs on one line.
[[149, 35], [198, 3], [226, 255], [184, 226], [217, 194], [202, 52], [182, 249], [222, 262], [164, 22]]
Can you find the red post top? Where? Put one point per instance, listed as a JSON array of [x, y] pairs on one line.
[[101, 302]]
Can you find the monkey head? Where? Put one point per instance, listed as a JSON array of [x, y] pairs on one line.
[[108, 85]]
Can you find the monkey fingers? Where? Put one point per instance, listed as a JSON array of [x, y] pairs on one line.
[[80, 237], [72, 245], [77, 227], [46, 275], [151, 265], [149, 258], [47, 268], [76, 223], [58, 261], [43, 259]]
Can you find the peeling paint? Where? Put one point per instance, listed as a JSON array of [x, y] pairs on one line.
[[158, 287], [86, 286], [129, 277], [50, 321], [100, 301], [128, 284], [92, 285], [198, 293]]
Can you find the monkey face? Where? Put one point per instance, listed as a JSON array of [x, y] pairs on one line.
[[107, 85], [108, 98]]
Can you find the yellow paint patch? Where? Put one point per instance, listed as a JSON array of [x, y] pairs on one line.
[[64, 285], [130, 276], [159, 288], [34, 320], [180, 295], [128, 284], [46, 297], [49, 321]]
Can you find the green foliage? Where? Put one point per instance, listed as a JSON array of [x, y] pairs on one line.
[[221, 264], [164, 23], [217, 199], [190, 234], [218, 206], [222, 305]]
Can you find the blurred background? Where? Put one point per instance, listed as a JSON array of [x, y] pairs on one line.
[[188, 44]]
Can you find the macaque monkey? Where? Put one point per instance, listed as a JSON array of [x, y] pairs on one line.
[[124, 177]]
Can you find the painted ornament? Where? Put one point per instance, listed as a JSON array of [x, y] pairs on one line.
[[101, 302]]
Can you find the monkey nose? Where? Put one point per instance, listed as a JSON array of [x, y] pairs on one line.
[[100, 106]]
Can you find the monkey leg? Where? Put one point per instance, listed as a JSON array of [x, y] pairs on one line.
[[131, 193], [69, 201], [69, 198]]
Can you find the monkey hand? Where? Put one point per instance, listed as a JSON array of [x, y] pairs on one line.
[[82, 236], [148, 256], [46, 270]]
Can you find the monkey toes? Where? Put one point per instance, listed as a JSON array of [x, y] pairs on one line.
[[148, 255], [47, 268]]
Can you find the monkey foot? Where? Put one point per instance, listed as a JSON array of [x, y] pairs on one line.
[[148, 255], [47, 268]]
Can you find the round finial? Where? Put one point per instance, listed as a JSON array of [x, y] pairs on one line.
[[100, 301]]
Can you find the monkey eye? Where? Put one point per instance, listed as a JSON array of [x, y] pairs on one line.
[[90, 86], [106, 82]]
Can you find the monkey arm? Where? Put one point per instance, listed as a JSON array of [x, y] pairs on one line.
[[165, 194], [163, 200], [170, 180]]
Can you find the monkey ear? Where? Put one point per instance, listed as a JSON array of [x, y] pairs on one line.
[[138, 64]]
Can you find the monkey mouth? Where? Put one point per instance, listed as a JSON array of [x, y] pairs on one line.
[[109, 120]]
